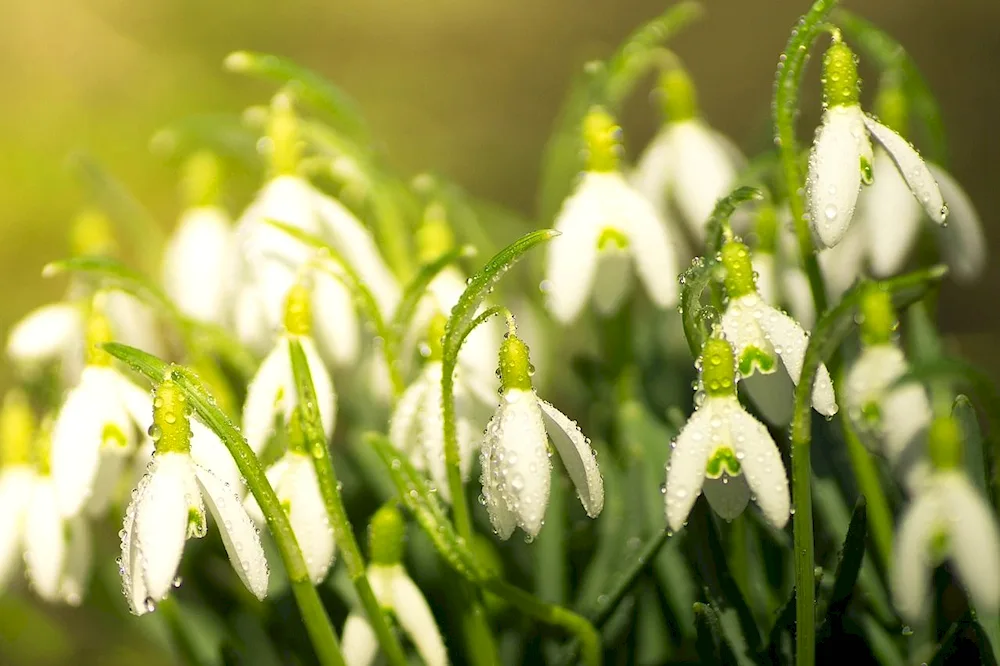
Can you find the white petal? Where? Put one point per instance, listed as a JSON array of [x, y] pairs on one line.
[[79, 558], [842, 265], [129, 563], [335, 321], [417, 620], [45, 334], [137, 402], [728, 495], [326, 397], [571, 262], [912, 167], [358, 642], [975, 542], [266, 394], [208, 451], [106, 486], [237, 530], [16, 483], [835, 172], [403, 426], [196, 264], [299, 492], [741, 325], [653, 250], [519, 467], [686, 468], [790, 341], [161, 522], [654, 168], [274, 475], [613, 281], [430, 433], [501, 515], [912, 563], [578, 458], [44, 541], [767, 283], [798, 295], [134, 322], [704, 172], [962, 240], [761, 465], [891, 217]]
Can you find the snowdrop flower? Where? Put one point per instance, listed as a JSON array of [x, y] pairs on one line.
[[763, 336], [723, 451], [17, 477], [687, 162], [947, 519], [272, 390], [890, 419], [605, 224], [273, 260], [514, 457], [168, 507], [841, 156], [294, 481], [417, 424], [396, 593], [197, 262], [95, 429]]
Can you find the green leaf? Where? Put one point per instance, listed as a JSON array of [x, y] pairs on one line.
[[890, 56], [630, 568], [304, 84], [852, 554], [881, 643], [427, 510], [697, 320], [975, 452], [724, 209]]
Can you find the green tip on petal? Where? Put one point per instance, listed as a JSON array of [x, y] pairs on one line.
[[841, 85], [386, 532], [171, 429], [718, 374], [602, 140], [515, 364], [944, 443], [739, 278]]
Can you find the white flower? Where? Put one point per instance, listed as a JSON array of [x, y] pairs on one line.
[[605, 225], [782, 283], [57, 550], [395, 591], [963, 243], [841, 158], [16, 487], [947, 519], [197, 264], [272, 261], [691, 164], [417, 424], [762, 336], [93, 433], [293, 478], [168, 508], [515, 462], [272, 392], [892, 420]]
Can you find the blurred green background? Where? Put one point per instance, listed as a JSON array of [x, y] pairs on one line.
[[469, 88]]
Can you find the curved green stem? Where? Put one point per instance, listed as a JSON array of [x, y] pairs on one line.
[[786, 106], [326, 477]]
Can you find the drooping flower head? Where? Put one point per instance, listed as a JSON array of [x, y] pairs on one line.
[[724, 452], [841, 157], [396, 593], [687, 163], [605, 225], [765, 339], [516, 471], [168, 507]]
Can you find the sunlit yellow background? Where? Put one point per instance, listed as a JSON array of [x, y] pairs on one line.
[[469, 88]]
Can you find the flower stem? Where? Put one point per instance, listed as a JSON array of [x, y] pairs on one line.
[[866, 474], [802, 533], [786, 93], [329, 487]]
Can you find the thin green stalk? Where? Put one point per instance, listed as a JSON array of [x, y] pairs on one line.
[[584, 631], [786, 106], [329, 488], [802, 535], [866, 474], [314, 616]]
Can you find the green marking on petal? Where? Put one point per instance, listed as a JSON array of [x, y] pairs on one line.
[[939, 545], [112, 436], [866, 171], [197, 526], [871, 414], [754, 359], [612, 237], [723, 460]]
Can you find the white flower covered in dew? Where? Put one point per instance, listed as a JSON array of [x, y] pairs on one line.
[[56, 550], [605, 225], [271, 393], [197, 262], [688, 162], [766, 338], [947, 519], [272, 261], [395, 593], [417, 424], [892, 420], [516, 472], [96, 428], [294, 481], [724, 452], [168, 507], [841, 156]]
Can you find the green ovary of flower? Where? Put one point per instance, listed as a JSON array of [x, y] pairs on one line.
[[680, 102], [723, 460], [171, 429], [841, 86], [739, 278], [385, 536], [717, 368], [602, 139], [298, 311], [515, 365]]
